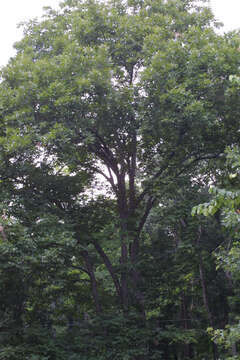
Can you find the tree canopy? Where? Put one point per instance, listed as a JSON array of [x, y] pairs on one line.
[[114, 117]]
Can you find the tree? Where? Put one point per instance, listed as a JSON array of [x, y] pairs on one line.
[[225, 202], [134, 93], [189, 293]]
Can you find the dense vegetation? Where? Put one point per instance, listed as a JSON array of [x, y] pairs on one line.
[[120, 188]]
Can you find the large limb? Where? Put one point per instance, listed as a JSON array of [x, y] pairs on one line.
[[109, 267]]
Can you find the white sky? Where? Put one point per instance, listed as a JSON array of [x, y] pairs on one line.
[[14, 11]]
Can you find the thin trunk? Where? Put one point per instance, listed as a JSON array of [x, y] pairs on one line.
[[206, 303], [205, 296], [184, 315], [2, 232], [138, 295], [231, 319], [93, 282], [204, 291], [135, 246], [136, 280], [133, 253], [234, 349], [124, 214], [124, 277], [132, 164]]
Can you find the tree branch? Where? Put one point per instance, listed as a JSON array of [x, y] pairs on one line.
[[109, 267]]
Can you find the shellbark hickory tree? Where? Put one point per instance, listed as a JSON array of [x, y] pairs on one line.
[[136, 91]]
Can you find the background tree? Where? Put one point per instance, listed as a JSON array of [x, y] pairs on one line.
[[226, 200]]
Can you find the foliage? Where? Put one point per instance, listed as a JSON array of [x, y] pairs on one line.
[[114, 118], [227, 201]]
